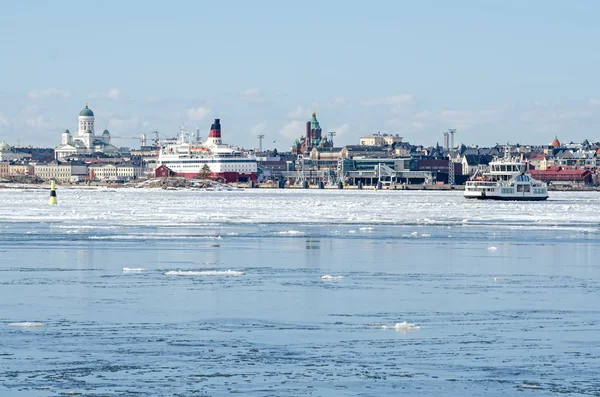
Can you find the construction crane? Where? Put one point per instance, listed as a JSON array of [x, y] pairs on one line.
[[260, 139], [141, 138], [331, 135], [451, 176]]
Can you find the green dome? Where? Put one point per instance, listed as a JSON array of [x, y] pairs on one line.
[[88, 132], [105, 132], [66, 132], [86, 112]]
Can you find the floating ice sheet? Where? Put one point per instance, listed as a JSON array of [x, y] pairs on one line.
[[204, 273]]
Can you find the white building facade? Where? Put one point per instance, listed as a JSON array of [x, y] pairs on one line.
[[111, 172], [61, 171], [85, 141]]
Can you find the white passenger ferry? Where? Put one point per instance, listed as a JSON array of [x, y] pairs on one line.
[[507, 179], [189, 156]]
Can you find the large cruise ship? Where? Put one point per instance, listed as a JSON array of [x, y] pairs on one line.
[[507, 179], [189, 156]]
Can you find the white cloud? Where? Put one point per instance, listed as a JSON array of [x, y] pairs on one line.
[[50, 92], [338, 101], [426, 124], [4, 121], [297, 113], [38, 121], [340, 131], [293, 129], [250, 92], [258, 128], [396, 100], [125, 126], [426, 114], [594, 101], [466, 119], [198, 113], [113, 93], [31, 109]]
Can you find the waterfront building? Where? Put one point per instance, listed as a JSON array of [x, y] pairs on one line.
[[62, 171], [163, 172], [85, 141], [561, 176], [4, 169], [21, 169], [108, 172], [7, 153], [380, 139], [471, 162]]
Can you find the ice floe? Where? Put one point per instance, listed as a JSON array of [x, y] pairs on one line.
[[133, 269], [330, 277], [291, 233], [27, 324], [204, 273], [403, 326]]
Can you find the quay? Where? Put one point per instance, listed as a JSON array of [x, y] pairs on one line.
[[398, 187]]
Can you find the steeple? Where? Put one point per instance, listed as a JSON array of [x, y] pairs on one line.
[[314, 123]]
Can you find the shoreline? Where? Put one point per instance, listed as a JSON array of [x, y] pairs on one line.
[[243, 186]]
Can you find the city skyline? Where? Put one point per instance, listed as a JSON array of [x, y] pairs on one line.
[[497, 72]]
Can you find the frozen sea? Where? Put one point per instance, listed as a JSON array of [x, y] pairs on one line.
[[190, 293]]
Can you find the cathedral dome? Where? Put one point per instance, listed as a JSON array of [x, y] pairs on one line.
[[105, 132], [4, 146], [555, 142], [86, 112]]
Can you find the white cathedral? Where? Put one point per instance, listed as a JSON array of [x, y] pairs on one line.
[[85, 142]]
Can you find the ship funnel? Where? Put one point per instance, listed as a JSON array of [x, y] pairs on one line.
[[215, 129]]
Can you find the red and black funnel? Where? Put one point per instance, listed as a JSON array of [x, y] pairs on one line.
[[215, 129]]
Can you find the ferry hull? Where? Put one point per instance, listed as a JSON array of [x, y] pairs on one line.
[[510, 198], [507, 198], [227, 177]]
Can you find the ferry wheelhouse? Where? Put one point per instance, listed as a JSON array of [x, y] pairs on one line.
[[507, 179]]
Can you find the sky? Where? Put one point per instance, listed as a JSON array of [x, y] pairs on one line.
[[509, 71]]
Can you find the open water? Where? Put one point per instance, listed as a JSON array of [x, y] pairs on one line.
[[189, 293]]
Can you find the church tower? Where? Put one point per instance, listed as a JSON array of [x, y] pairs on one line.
[[67, 139], [86, 121]]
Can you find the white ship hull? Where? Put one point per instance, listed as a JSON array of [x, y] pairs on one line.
[[507, 179], [189, 157], [230, 170], [498, 192]]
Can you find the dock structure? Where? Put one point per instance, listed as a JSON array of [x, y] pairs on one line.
[[378, 174]]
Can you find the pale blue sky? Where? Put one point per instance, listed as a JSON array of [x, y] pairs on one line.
[[496, 70]]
